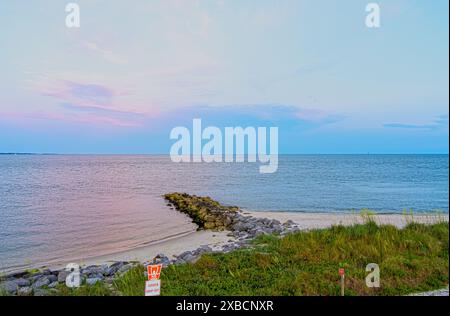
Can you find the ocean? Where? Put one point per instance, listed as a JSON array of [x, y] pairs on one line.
[[59, 208]]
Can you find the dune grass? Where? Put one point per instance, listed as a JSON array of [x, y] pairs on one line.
[[412, 259]]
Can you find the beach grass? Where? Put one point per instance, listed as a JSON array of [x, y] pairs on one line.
[[412, 259], [98, 289]]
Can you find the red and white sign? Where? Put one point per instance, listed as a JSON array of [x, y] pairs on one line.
[[341, 272], [152, 288], [154, 271]]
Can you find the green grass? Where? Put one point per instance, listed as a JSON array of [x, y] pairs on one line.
[[411, 259], [98, 289]]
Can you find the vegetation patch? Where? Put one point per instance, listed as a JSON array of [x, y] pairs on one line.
[[412, 259]]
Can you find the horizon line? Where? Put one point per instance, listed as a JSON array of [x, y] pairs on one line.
[[167, 154]]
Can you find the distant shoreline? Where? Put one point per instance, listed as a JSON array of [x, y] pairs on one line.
[[166, 154]]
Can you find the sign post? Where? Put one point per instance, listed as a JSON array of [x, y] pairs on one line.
[[153, 284], [342, 274]]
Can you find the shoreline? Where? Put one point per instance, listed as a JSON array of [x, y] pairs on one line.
[[222, 229], [216, 239], [171, 247], [192, 240]]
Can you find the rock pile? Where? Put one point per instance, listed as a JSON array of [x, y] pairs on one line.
[[204, 211], [210, 214], [46, 281]]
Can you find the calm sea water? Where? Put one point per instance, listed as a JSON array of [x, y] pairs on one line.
[[58, 208]]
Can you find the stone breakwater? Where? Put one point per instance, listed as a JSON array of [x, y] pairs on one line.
[[205, 212]]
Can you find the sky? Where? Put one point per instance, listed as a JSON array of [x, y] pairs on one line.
[[134, 70]]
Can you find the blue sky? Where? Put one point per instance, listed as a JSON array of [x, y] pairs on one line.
[[134, 70]]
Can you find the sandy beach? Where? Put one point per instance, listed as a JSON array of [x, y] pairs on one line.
[[169, 247], [322, 220]]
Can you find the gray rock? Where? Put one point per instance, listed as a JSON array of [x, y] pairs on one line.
[[93, 270], [266, 221], [250, 226], [41, 292], [25, 291], [288, 223], [92, 281], [277, 228], [259, 233], [9, 286], [111, 271], [52, 278], [243, 242], [242, 234], [189, 258], [97, 276], [62, 275], [33, 278], [43, 281], [46, 271], [165, 262], [114, 268], [125, 268], [203, 249], [229, 247], [53, 285], [22, 282], [239, 226], [206, 248], [160, 259], [237, 218], [275, 222], [184, 254]]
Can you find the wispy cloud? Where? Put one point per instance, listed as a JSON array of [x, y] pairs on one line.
[[89, 93], [24, 119], [439, 122], [106, 54], [79, 92], [286, 116], [86, 102]]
